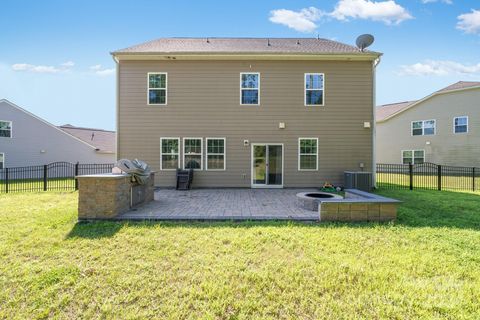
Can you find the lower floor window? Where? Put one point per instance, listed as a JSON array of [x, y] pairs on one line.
[[215, 154], [169, 153], [2, 160], [308, 154], [413, 156], [192, 153]]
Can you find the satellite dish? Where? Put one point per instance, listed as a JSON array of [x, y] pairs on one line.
[[364, 41]]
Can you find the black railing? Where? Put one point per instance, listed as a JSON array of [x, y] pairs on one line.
[[58, 176], [427, 176]]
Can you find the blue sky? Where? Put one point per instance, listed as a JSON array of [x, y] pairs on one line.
[[55, 61]]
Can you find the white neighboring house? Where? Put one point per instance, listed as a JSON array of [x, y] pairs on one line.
[[27, 140]]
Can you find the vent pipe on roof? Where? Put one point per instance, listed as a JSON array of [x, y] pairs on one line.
[[298, 41], [208, 40], [268, 42]]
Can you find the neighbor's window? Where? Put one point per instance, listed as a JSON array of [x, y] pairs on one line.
[[215, 154], [169, 153], [308, 154], [314, 88], [250, 88], [460, 124], [157, 88], [423, 127], [192, 153], [413, 156], [2, 160], [6, 129]]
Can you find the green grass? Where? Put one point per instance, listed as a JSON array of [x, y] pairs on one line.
[[427, 181], [25, 185], [424, 266]]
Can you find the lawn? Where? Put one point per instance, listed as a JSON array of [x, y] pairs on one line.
[[424, 266]]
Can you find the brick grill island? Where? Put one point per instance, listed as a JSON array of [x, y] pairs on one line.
[[105, 196]]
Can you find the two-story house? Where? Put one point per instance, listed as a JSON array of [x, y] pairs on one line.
[[442, 128], [247, 112], [27, 140]]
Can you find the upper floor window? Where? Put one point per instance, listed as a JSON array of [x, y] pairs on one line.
[[192, 153], [6, 129], [215, 154], [2, 161], [423, 128], [169, 153], [460, 124], [308, 154], [157, 88], [413, 156], [314, 89], [250, 88]]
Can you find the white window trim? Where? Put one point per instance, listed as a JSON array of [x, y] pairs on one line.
[[201, 152], [258, 89], [224, 154], [423, 127], [305, 90], [413, 155], [148, 89], [161, 152], [4, 159], [300, 154], [11, 128], [454, 125]]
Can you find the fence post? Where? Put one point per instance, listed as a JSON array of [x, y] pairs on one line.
[[45, 177], [439, 174], [76, 174], [410, 171], [6, 180], [473, 179]]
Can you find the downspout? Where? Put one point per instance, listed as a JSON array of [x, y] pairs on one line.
[[374, 125], [117, 107]]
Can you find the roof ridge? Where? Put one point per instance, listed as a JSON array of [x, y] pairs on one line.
[[83, 128], [394, 103]]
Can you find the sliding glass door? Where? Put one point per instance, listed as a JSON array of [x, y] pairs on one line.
[[267, 165]]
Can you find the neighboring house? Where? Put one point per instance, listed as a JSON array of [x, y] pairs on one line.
[[247, 112], [26, 140], [442, 128]]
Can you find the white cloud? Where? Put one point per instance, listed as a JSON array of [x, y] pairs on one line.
[[432, 1], [388, 12], [98, 70], [34, 68], [439, 68], [303, 21], [469, 22], [68, 64]]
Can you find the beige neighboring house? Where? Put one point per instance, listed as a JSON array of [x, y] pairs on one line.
[[442, 128], [247, 112]]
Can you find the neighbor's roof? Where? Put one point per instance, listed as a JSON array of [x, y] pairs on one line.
[[102, 140], [387, 111], [243, 45]]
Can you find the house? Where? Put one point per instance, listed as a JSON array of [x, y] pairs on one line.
[[442, 128], [26, 140], [247, 112]]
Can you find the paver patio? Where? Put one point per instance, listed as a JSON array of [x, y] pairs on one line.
[[223, 204]]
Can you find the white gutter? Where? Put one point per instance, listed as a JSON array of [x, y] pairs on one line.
[[117, 107], [374, 124]]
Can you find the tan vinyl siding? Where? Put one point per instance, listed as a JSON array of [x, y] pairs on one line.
[[204, 101], [445, 147]]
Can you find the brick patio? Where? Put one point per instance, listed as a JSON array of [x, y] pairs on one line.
[[223, 204]]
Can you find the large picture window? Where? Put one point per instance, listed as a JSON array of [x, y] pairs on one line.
[[314, 89], [423, 128], [215, 154], [5, 129], [460, 124], [157, 88], [250, 88], [169, 153], [2, 160], [413, 156], [308, 154], [192, 153]]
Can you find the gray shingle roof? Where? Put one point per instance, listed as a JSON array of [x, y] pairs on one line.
[[460, 85], [387, 110], [103, 140], [244, 45]]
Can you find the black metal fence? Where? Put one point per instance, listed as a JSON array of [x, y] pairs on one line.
[[427, 176], [54, 176]]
